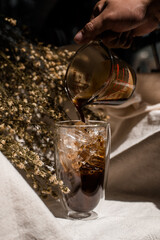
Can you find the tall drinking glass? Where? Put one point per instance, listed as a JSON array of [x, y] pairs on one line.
[[82, 152]]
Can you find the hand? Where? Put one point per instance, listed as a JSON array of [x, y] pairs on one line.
[[117, 22]]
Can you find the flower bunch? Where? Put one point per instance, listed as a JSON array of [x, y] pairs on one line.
[[32, 98]]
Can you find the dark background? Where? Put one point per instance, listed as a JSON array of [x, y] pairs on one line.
[[52, 21], [57, 21]]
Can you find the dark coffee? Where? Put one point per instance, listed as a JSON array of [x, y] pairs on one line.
[[85, 176], [85, 196], [79, 103]]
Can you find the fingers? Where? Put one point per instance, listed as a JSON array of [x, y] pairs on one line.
[[90, 32], [101, 24], [82, 36], [96, 25], [117, 40]]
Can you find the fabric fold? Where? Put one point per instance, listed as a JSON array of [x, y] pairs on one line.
[[22, 213]]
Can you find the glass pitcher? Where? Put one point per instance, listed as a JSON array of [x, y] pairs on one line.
[[96, 76]]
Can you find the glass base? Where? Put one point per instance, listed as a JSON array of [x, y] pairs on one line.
[[82, 215]]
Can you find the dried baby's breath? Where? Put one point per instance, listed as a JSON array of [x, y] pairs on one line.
[[31, 100]]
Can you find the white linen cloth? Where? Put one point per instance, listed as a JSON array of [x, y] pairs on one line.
[[131, 210], [23, 216]]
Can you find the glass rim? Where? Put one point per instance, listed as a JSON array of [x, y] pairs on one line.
[[89, 124]]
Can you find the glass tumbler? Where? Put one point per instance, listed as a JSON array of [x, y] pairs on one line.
[[82, 153]]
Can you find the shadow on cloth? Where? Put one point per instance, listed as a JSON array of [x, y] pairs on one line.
[[134, 174]]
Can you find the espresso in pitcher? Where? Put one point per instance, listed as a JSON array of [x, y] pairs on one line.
[[96, 76]]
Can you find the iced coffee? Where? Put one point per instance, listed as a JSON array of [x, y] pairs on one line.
[[82, 162]]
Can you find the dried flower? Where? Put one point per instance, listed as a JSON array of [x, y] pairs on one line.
[[32, 96]]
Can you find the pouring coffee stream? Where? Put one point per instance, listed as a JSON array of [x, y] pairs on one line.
[[96, 76]]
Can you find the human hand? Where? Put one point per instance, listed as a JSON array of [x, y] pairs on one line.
[[116, 22]]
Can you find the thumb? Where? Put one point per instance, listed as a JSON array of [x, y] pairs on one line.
[[91, 30]]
